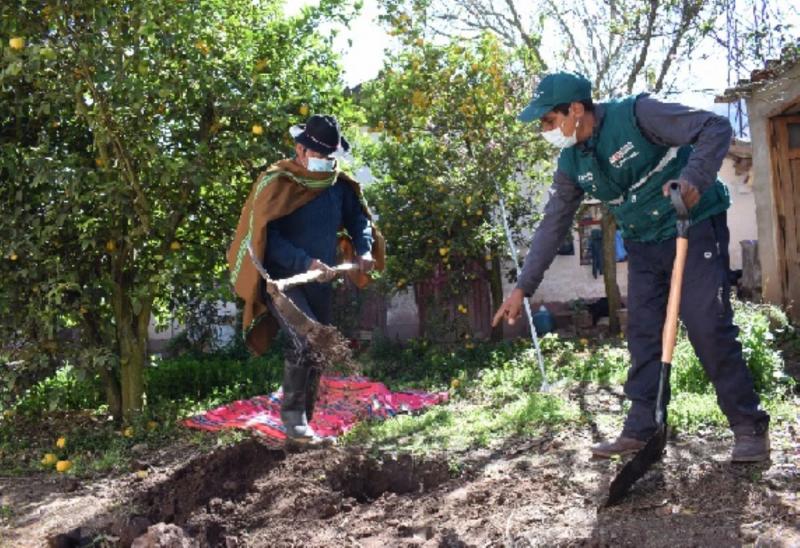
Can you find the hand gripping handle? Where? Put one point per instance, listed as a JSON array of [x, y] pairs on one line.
[[680, 209]]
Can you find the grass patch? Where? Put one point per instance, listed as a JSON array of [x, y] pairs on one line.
[[494, 394], [66, 405], [488, 404], [464, 424], [690, 412]]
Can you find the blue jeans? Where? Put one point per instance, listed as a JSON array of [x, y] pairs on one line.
[[707, 314]]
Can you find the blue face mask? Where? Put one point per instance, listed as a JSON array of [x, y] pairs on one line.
[[321, 164]]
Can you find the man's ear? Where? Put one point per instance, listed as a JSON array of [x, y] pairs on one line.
[[577, 109]]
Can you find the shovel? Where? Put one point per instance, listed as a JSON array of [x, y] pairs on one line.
[[326, 344], [654, 449], [310, 276]]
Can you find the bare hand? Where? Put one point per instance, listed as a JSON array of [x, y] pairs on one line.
[[689, 192], [327, 272], [510, 309]]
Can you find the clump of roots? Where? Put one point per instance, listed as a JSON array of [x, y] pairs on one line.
[[329, 349]]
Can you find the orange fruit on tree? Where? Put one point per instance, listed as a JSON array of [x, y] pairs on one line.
[[63, 466], [202, 47]]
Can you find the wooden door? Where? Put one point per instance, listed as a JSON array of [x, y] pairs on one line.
[[786, 191]]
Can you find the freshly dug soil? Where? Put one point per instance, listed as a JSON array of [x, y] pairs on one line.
[[543, 491]]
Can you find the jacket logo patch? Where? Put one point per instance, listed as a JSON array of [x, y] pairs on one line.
[[586, 177], [627, 152]]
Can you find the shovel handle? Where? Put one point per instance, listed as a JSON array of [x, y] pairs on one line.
[[311, 276], [298, 279], [670, 332]]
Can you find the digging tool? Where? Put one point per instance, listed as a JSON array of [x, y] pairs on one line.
[[654, 449], [325, 342], [311, 276], [544, 387]]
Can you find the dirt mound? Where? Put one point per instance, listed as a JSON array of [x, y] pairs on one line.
[[285, 506], [541, 491], [247, 493], [528, 492]]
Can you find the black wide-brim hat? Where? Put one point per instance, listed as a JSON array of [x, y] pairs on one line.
[[321, 134]]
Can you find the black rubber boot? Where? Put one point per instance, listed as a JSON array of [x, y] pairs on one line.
[[293, 409], [312, 389]]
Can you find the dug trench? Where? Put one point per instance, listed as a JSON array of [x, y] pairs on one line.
[[541, 490], [525, 491], [248, 493]]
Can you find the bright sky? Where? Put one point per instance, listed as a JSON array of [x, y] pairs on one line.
[[704, 78], [364, 58]]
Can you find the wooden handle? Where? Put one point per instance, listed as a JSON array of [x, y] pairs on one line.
[[311, 276], [670, 333]]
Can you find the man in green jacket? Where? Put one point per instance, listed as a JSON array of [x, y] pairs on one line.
[[625, 153]]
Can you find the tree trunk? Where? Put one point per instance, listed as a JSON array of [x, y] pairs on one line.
[[113, 393], [132, 338], [108, 376], [496, 286], [609, 226], [131, 360]]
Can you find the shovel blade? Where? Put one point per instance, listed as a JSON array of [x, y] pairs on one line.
[[648, 455]]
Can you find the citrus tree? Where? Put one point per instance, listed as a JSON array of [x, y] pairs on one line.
[[447, 148], [129, 136]]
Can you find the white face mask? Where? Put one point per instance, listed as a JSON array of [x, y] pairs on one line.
[[557, 138], [321, 164]]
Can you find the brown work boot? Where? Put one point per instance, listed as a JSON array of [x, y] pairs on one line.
[[620, 446], [750, 448]]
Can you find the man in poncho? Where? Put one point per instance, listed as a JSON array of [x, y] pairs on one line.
[[293, 218]]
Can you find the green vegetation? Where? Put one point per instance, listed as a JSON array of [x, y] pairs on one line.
[[68, 404], [130, 134], [493, 388]]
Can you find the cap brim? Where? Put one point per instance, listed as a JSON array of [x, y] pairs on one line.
[[533, 112]]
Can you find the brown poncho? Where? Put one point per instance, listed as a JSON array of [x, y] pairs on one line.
[[278, 191]]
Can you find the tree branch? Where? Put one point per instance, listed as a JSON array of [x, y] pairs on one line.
[[582, 66], [689, 10], [648, 34], [140, 202], [526, 37]]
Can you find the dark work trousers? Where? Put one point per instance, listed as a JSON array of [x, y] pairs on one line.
[[301, 374], [707, 314]]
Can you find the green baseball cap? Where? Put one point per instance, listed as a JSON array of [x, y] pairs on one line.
[[555, 89]]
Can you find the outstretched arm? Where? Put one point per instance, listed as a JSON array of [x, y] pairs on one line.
[[565, 198]]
